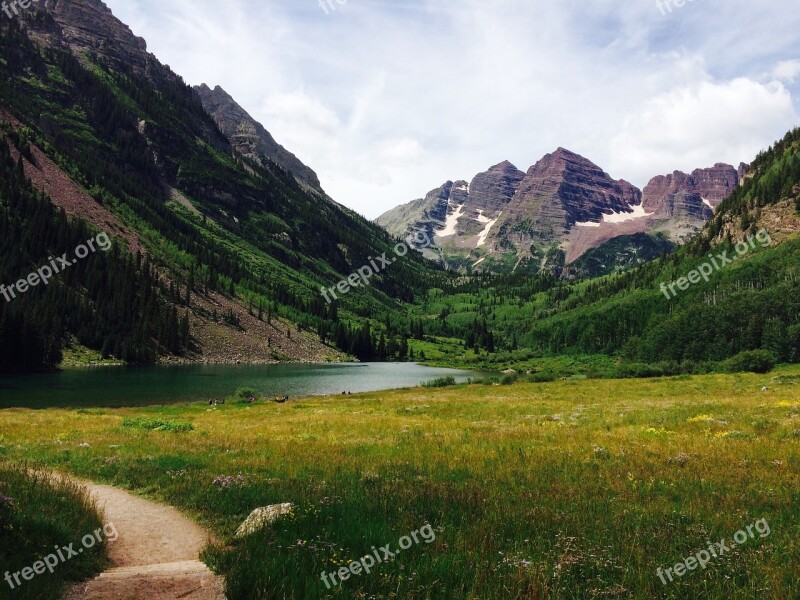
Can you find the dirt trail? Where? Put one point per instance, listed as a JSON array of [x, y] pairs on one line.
[[155, 556]]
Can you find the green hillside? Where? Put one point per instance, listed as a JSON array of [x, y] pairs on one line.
[[245, 232]]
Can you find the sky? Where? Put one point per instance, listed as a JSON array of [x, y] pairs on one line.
[[387, 100]]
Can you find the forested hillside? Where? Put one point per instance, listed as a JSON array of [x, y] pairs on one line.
[[223, 235]]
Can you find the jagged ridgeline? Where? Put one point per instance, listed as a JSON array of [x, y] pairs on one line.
[[240, 233]]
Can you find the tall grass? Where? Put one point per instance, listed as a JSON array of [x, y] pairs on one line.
[[36, 514]]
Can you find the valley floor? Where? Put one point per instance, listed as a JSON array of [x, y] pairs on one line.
[[569, 489]]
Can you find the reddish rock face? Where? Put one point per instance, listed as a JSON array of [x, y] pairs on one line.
[[563, 189], [717, 183], [681, 195], [492, 190]]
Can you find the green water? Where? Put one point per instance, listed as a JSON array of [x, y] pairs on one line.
[[142, 386]]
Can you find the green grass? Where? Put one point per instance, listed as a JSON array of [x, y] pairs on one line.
[[157, 424], [37, 513], [570, 489]]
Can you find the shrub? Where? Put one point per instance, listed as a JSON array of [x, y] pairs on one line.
[[543, 377], [440, 382], [640, 371], [243, 395], [752, 361], [508, 379]]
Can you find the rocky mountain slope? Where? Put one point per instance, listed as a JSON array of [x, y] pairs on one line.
[[552, 215], [249, 137]]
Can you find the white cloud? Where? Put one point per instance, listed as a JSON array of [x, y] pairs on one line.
[[387, 99], [787, 70], [699, 125]]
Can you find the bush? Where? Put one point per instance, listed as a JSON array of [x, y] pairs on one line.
[[752, 361], [543, 377], [440, 382], [243, 395], [508, 379], [640, 371]]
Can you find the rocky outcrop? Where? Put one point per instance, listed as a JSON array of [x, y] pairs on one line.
[[249, 137], [426, 214], [564, 189], [707, 187], [492, 190], [88, 26]]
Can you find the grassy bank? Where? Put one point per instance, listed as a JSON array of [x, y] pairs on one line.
[[37, 513], [570, 489]]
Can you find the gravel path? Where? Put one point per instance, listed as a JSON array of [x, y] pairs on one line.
[[156, 556]]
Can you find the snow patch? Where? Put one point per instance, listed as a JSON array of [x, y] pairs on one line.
[[709, 205], [451, 222], [479, 262], [485, 233], [638, 213]]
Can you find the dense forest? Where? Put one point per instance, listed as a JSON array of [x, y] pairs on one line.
[[109, 301]]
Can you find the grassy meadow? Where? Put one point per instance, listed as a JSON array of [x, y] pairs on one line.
[[570, 489]]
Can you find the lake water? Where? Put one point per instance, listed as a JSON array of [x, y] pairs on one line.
[[142, 386]]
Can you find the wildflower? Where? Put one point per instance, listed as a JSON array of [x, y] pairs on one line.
[[229, 481]]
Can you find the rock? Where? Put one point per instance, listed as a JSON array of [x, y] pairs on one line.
[[260, 518], [712, 185], [249, 137], [563, 189]]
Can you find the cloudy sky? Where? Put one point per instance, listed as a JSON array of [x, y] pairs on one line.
[[387, 99]]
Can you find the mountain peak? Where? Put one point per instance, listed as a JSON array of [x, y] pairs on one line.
[[504, 166], [249, 137]]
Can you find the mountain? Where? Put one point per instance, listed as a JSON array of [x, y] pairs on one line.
[[629, 321], [249, 137], [220, 255], [509, 220]]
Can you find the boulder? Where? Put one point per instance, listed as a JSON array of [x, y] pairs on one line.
[[260, 518]]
